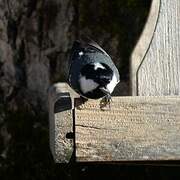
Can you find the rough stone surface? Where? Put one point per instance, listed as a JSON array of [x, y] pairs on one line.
[[34, 45], [35, 39]]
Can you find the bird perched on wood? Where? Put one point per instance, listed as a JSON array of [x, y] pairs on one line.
[[92, 73]]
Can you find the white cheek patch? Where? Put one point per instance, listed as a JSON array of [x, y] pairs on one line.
[[87, 85], [98, 65], [112, 84]]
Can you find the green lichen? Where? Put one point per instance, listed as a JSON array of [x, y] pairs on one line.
[[68, 153]]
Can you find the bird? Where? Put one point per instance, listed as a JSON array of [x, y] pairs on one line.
[[92, 73]]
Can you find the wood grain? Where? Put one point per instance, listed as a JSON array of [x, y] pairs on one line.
[[61, 101], [143, 127], [159, 73], [143, 44], [135, 128]]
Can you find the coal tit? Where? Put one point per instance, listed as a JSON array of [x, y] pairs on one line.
[[92, 73]]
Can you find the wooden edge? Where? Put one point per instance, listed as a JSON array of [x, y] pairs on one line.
[[60, 99], [143, 44], [139, 128]]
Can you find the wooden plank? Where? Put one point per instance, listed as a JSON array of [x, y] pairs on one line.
[[135, 128], [61, 101], [159, 73], [143, 44]]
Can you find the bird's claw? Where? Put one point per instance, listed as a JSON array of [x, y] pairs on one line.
[[106, 101]]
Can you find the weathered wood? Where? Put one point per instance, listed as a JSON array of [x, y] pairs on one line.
[[143, 44], [61, 100], [135, 128], [159, 71]]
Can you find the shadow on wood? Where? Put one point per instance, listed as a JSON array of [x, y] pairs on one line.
[[138, 128]]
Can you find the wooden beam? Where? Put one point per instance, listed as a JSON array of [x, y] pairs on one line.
[[155, 68], [134, 128], [61, 101], [143, 44]]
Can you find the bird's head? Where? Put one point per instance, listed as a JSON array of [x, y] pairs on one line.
[[97, 80]]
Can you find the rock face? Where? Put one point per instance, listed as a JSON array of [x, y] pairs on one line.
[[35, 40]]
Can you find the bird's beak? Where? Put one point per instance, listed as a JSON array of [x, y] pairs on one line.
[[104, 90]]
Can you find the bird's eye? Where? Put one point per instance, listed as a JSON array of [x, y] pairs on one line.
[[91, 50]]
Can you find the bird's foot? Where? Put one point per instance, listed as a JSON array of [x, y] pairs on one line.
[[106, 101]]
